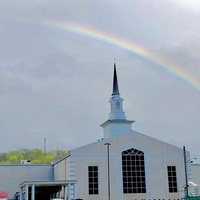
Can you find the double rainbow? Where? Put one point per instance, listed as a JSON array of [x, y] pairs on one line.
[[129, 46]]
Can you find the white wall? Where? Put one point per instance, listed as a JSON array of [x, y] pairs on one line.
[[158, 156], [12, 175], [61, 169]]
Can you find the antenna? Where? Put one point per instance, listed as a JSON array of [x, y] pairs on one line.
[[44, 144]]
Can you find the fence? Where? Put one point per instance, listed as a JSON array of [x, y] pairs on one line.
[[191, 198]]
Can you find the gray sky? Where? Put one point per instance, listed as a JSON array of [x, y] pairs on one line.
[[55, 80]]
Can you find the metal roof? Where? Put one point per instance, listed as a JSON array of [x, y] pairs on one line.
[[49, 183]]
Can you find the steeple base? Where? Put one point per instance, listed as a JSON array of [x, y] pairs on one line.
[[112, 128]]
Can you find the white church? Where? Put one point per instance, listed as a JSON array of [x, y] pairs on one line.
[[123, 165]]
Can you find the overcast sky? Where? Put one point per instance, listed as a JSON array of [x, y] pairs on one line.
[[56, 77]]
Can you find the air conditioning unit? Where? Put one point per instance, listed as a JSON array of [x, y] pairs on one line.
[[25, 162]]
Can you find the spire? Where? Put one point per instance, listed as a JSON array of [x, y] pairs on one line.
[[115, 82], [116, 101]]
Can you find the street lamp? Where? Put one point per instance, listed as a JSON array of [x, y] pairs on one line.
[[108, 145], [186, 179]]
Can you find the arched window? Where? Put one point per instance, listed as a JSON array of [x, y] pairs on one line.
[[118, 106], [133, 170]]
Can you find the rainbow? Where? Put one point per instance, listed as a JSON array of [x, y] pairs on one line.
[[129, 46]]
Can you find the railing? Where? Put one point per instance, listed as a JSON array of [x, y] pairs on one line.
[[191, 198]]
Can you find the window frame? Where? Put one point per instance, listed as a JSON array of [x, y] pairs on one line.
[[172, 179], [93, 180], [133, 171]]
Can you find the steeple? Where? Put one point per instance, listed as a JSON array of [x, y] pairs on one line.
[[116, 101], [117, 122], [115, 82]]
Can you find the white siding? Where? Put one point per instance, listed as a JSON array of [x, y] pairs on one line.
[[158, 155], [12, 175], [61, 170]]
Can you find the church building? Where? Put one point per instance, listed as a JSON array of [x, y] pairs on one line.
[[124, 164]]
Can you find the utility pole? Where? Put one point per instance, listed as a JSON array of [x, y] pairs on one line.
[[108, 154], [186, 178]]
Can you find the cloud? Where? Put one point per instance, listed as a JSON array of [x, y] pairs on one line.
[[56, 84]]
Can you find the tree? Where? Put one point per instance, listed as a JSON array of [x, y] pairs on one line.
[[14, 157], [3, 194], [36, 156], [58, 153]]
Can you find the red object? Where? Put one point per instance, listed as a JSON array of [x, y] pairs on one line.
[[3, 194]]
